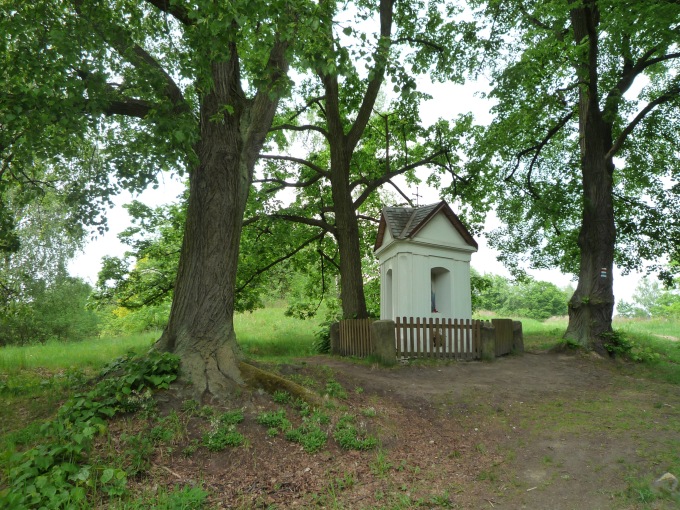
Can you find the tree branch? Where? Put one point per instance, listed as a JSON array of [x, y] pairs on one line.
[[406, 197], [669, 95], [177, 11], [279, 260], [539, 146], [373, 88], [305, 127], [329, 259], [129, 108], [172, 90], [368, 218], [266, 101], [285, 184], [120, 105], [128, 49], [326, 227], [372, 185], [299, 161], [663, 58], [423, 42], [628, 75], [310, 102]]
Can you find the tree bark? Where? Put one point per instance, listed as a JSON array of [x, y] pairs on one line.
[[591, 308], [201, 325], [347, 234], [353, 300], [342, 144]]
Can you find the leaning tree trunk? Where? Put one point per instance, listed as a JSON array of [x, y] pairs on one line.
[[591, 308], [201, 325]]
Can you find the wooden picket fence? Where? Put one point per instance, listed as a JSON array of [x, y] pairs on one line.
[[355, 337], [438, 338], [416, 338]]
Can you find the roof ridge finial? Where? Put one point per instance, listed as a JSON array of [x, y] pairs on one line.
[[417, 197]]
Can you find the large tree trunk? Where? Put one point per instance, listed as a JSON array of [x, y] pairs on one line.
[[201, 325], [343, 139], [347, 235], [592, 306], [346, 224]]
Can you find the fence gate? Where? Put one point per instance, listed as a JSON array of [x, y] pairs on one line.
[[438, 338], [355, 337], [504, 336]]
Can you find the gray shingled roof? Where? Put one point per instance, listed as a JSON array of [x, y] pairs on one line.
[[402, 220]]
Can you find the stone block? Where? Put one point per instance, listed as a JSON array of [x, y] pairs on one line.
[[517, 337], [383, 341]]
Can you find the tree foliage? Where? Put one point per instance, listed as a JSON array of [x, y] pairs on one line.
[[57, 311], [530, 154], [38, 300], [524, 298], [580, 160], [271, 253], [651, 300]]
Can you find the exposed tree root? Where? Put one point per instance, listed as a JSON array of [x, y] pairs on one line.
[[217, 374], [270, 382]]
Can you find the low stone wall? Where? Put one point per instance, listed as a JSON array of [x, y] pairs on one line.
[[382, 341]]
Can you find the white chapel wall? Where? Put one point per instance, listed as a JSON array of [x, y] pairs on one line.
[[407, 275]]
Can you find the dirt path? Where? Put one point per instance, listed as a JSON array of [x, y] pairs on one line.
[[538, 431], [553, 431]]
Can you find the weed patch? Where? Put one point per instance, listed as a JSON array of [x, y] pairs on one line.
[[350, 437]]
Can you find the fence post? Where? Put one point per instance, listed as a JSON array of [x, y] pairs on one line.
[[517, 337], [488, 341], [382, 340], [335, 338]]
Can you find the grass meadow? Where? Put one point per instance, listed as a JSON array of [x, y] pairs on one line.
[[264, 333], [268, 334], [36, 379]]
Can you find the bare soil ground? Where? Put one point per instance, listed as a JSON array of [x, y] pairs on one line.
[[537, 431]]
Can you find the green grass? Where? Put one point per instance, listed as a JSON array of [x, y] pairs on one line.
[[662, 327], [540, 336], [268, 333], [265, 333], [58, 355], [652, 339]]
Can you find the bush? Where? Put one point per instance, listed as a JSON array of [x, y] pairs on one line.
[[49, 312]]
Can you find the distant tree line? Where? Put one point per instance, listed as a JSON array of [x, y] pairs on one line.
[[652, 300], [523, 298]]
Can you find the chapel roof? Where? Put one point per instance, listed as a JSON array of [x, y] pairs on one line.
[[405, 222]]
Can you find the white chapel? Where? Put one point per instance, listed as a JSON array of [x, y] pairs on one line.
[[424, 255]]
